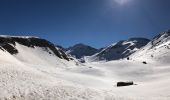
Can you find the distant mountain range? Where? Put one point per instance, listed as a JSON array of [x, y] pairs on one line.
[[34, 68], [80, 50], [133, 48], [119, 50], [122, 49]]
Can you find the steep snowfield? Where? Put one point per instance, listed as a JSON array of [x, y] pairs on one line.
[[158, 50], [39, 56]]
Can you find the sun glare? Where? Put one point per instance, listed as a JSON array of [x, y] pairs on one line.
[[122, 2]]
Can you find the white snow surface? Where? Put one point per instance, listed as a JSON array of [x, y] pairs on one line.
[[158, 50], [8, 36], [34, 74]]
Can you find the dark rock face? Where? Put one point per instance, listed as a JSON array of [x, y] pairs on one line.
[[119, 84], [11, 49], [81, 50], [8, 43]]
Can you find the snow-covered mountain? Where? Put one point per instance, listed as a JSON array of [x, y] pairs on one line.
[[81, 50], [34, 69], [119, 50], [157, 50], [32, 50]]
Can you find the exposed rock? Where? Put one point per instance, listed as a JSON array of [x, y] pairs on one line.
[[119, 84]]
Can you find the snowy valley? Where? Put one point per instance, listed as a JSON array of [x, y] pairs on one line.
[[32, 68]]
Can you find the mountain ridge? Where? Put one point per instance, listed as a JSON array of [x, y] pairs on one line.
[[8, 43], [80, 50], [158, 49], [119, 50]]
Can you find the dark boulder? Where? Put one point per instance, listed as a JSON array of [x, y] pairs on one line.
[[144, 62], [119, 84]]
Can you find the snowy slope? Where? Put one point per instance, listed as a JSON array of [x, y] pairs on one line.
[[94, 81], [34, 51], [158, 50], [8, 43], [32, 73], [119, 50]]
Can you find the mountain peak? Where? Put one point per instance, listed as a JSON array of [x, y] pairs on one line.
[[80, 45], [161, 38], [121, 49], [80, 50], [138, 38]]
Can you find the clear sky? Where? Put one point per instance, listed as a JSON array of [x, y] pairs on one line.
[[94, 22]]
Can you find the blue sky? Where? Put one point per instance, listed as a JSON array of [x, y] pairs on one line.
[[94, 22]]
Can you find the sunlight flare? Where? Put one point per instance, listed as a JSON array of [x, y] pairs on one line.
[[122, 2]]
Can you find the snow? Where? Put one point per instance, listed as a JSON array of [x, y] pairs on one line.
[[156, 51], [7, 36], [119, 50], [36, 74]]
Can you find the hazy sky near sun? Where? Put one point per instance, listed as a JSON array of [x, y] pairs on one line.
[[95, 22]]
